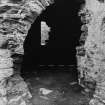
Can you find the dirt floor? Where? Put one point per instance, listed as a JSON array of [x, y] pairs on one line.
[[63, 90]]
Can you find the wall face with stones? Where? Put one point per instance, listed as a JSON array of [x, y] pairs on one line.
[[91, 53], [16, 17]]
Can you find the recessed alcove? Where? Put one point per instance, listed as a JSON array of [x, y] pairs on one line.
[[54, 66]]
